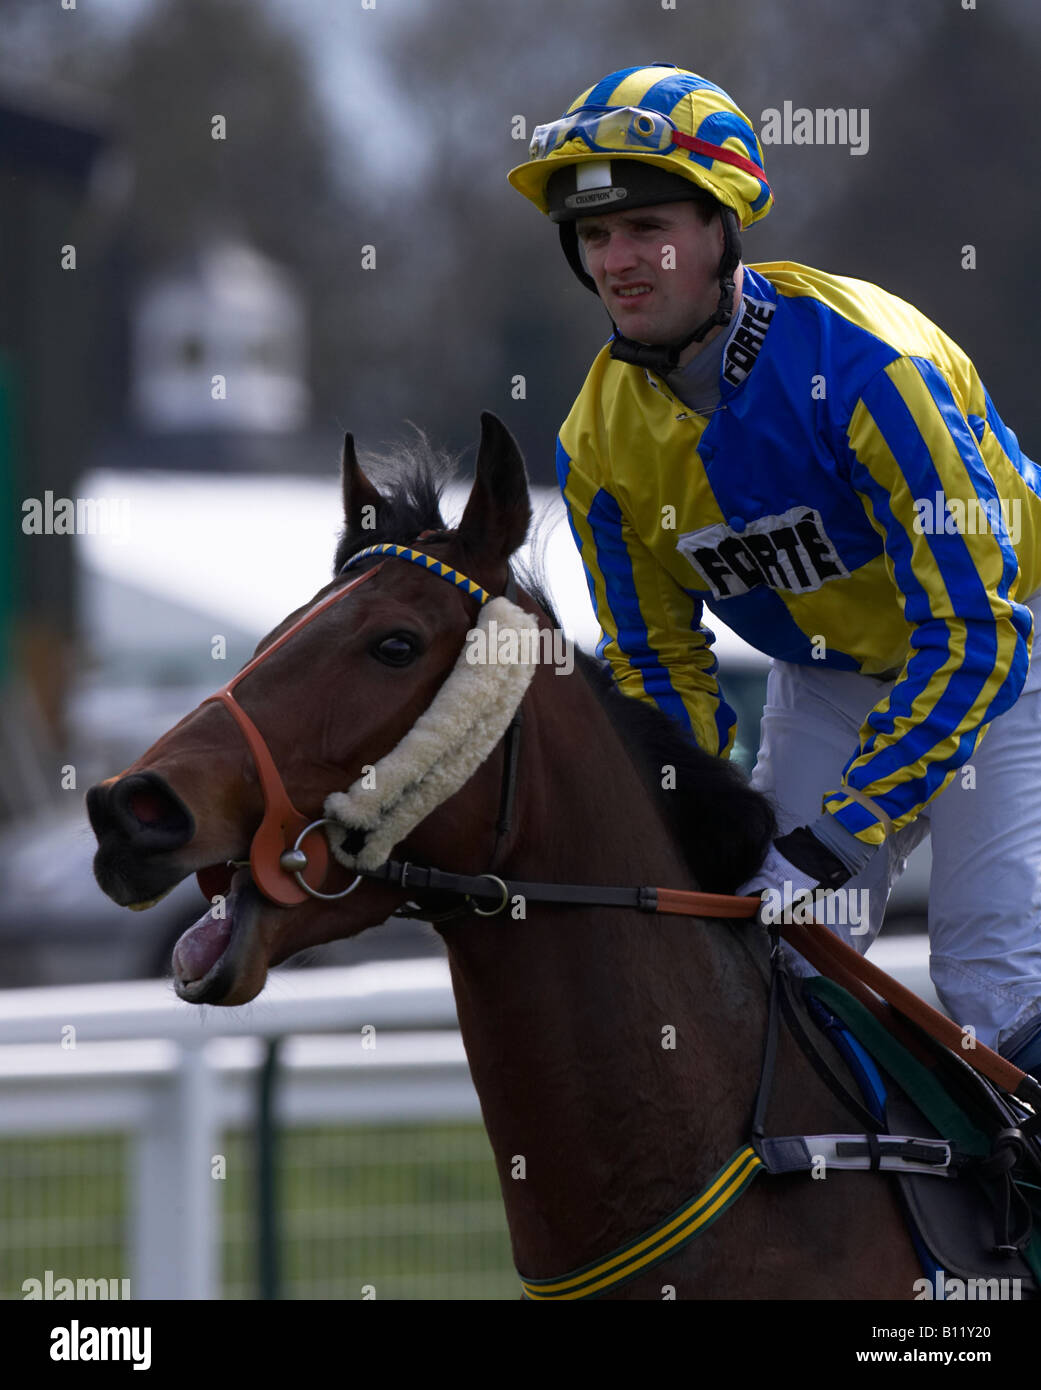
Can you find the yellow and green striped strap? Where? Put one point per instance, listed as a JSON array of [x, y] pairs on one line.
[[658, 1244], [438, 567]]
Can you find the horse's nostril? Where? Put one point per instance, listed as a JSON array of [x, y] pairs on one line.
[[142, 810], [147, 807]]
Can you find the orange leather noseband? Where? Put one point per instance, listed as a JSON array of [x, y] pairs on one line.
[[282, 823]]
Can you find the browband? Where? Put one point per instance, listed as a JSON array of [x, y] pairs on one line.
[[438, 567]]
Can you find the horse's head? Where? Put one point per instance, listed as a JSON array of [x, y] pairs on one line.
[[323, 707]]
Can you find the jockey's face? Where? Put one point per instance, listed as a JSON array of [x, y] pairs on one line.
[[656, 269]]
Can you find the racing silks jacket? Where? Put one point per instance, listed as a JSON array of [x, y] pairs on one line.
[[856, 501]]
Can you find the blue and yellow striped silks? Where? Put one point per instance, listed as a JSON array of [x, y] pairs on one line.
[[438, 567], [661, 1243], [856, 502]]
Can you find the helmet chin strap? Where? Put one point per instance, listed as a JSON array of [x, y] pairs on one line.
[[665, 357]]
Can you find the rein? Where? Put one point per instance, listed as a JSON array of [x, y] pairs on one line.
[[821, 948]]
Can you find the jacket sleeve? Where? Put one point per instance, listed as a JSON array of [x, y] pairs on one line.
[[653, 639], [912, 449]]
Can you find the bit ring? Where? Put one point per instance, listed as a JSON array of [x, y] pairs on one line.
[[294, 861]]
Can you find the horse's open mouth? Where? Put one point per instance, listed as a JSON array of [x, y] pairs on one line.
[[221, 960]]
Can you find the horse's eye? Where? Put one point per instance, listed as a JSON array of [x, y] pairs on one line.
[[396, 650]]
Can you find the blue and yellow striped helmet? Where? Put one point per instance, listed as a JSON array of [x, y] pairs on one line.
[[661, 116]]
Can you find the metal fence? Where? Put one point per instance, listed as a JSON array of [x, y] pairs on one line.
[[128, 1142]]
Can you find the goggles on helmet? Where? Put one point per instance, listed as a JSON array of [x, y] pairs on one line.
[[630, 130], [607, 128]]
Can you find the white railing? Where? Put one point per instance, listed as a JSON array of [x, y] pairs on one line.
[[134, 1058]]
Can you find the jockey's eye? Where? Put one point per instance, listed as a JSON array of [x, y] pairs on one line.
[[397, 649]]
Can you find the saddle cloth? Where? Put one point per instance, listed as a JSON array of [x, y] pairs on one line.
[[953, 1220]]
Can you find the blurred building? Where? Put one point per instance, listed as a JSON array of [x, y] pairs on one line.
[[217, 369], [229, 315]]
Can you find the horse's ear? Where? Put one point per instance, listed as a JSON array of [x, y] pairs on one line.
[[498, 511], [358, 492]]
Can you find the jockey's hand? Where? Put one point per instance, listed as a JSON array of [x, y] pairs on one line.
[[800, 859]]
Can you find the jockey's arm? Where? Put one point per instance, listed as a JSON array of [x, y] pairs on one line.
[[969, 641]]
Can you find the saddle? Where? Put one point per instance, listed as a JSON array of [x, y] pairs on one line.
[[966, 1156]]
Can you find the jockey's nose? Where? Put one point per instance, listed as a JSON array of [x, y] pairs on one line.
[[620, 255], [142, 810]]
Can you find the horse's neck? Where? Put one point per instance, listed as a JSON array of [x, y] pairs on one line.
[[615, 1053]]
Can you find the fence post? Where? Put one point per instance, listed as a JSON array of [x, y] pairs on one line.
[[176, 1244], [268, 1252]]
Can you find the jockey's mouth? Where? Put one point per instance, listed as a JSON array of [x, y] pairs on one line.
[[634, 290]]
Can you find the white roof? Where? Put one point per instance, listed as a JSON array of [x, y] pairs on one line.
[[248, 549]]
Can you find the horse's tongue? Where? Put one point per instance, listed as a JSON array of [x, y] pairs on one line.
[[201, 946]]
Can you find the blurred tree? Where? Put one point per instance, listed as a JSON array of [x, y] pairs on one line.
[[165, 74], [946, 211], [189, 64], [468, 292]]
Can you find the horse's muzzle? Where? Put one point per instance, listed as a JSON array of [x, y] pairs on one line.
[[139, 821]]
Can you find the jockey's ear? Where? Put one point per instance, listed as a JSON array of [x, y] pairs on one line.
[[358, 492], [498, 512]]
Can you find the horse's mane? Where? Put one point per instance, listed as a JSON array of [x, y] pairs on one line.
[[720, 824]]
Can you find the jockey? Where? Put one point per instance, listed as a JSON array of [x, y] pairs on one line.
[[821, 466]]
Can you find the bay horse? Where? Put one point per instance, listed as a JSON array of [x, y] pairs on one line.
[[616, 1053]]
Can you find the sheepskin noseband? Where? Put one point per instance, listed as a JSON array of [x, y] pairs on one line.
[[448, 742]]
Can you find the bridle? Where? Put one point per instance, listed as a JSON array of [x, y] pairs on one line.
[[278, 860], [277, 857]]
